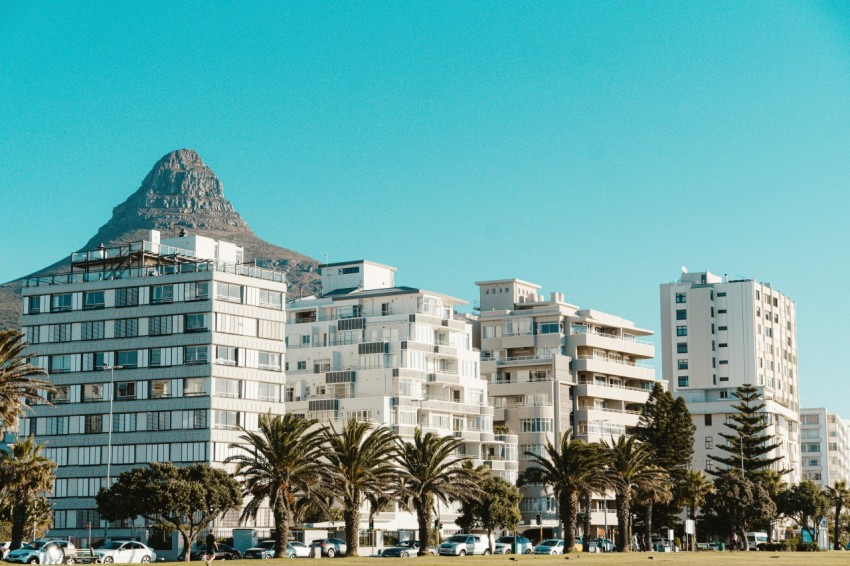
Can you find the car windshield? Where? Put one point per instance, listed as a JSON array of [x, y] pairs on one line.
[[32, 546], [267, 544], [114, 545], [408, 544], [456, 538], [549, 543]]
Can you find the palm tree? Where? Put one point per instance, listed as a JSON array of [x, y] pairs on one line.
[[432, 470], [570, 469], [693, 489], [655, 491], [19, 380], [362, 463], [839, 495], [629, 468], [280, 463], [24, 477]]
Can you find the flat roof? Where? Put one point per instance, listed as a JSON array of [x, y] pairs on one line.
[[357, 261], [520, 281]]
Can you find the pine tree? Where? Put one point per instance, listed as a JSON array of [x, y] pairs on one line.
[[666, 426], [748, 443]]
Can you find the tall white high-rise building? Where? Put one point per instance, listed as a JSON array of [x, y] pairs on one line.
[[824, 447], [393, 355], [158, 350], [718, 334], [553, 366]]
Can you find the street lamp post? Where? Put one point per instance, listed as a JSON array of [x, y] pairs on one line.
[[109, 435]]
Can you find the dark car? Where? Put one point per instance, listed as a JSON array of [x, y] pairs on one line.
[[224, 552], [330, 547]]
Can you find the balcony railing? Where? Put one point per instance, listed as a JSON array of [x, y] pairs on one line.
[[632, 363], [625, 337], [607, 410], [610, 386]]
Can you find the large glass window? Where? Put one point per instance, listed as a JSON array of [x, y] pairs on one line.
[[194, 387], [549, 328], [269, 392], [127, 328], [271, 299], [61, 303], [60, 363], [34, 305], [92, 392], [93, 300], [226, 419], [127, 297], [197, 291], [94, 424], [227, 387], [128, 359], [160, 389], [124, 422], [92, 330], [160, 325], [159, 420], [162, 294], [196, 322], [125, 390], [269, 360], [226, 355], [196, 355], [62, 394], [228, 292]]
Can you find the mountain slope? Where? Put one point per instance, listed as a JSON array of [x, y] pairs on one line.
[[180, 192]]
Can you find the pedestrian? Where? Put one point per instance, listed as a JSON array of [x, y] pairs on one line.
[[735, 541], [212, 547]]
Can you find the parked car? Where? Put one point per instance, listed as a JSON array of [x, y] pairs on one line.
[[264, 550], [295, 549], [41, 551], [125, 552], [405, 549], [224, 552], [330, 547], [505, 545], [550, 546], [605, 544], [463, 544]]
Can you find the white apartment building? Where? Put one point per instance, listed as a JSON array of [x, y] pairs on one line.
[[718, 334], [158, 350], [552, 366], [396, 356], [824, 447]]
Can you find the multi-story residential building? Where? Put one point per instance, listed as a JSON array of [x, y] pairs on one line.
[[158, 350], [824, 447], [393, 355], [718, 334], [553, 366]]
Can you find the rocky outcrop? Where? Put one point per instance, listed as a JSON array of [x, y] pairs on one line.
[[180, 193]]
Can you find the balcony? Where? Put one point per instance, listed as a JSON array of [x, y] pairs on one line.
[[623, 368], [618, 392], [626, 344]]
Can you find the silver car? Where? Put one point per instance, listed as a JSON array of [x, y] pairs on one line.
[[42, 551]]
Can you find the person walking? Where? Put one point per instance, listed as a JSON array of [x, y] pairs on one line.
[[212, 547]]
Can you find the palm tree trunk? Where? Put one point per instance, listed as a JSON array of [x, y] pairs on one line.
[[569, 513], [351, 516], [623, 534], [836, 536], [423, 515], [281, 515], [19, 518], [586, 499], [648, 526]]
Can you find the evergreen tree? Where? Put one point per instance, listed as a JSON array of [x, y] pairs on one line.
[[738, 504], [748, 443], [666, 426]]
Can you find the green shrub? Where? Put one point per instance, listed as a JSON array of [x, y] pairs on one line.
[[807, 547], [791, 544]]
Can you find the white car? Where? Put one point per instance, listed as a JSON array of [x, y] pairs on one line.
[[550, 546], [4, 548], [125, 552], [295, 549], [461, 545], [42, 551]]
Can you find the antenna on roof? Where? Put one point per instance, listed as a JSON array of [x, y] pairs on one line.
[[684, 269]]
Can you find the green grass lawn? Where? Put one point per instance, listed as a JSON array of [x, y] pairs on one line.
[[829, 558]]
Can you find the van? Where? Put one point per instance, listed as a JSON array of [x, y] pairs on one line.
[[755, 539]]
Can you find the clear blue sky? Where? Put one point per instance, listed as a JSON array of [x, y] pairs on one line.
[[593, 148]]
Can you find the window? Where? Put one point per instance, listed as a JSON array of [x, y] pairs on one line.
[[158, 453], [271, 329], [271, 299], [61, 303], [160, 389], [535, 425], [196, 323], [682, 314], [61, 395], [268, 392], [707, 419], [549, 328], [93, 424], [721, 311], [681, 331], [194, 387], [33, 334], [227, 388], [56, 425], [127, 328], [709, 442], [34, 305], [127, 297], [724, 394], [305, 339], [197, 291], [810, 447], [269, 360], [682, 348], [160, 357], [225, 355], [128, 359], [124, 422], [125, 390], [683, 381], [724, 362], [160, 325], [92, 330], [60, 363], [196, 355], [348, 270], [723, 345], [682, 364], [159, 420], [93, 300], [301, 365], [226, 419], [60, 332], [722, 328], [162, 294], [196, 418], [681, 298], [228, 292], [92, 392], [721, 294]]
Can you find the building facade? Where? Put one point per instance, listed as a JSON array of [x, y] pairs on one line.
[[824, 447], [552, 367], [396, 356], [718, 334], [158, 351]]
